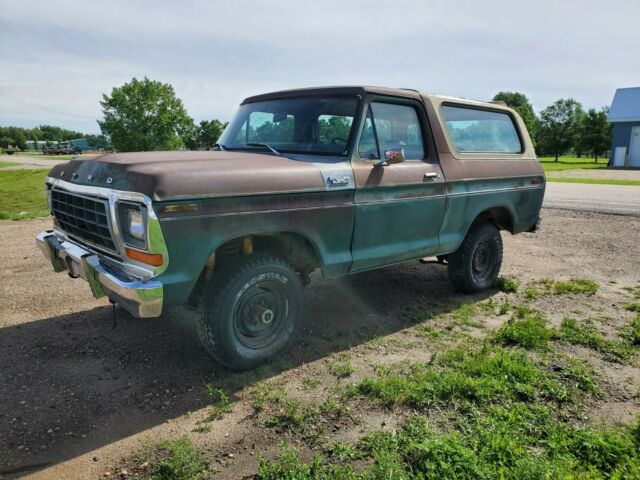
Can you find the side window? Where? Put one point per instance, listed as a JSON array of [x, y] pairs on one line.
[[368, 147], [396, 127], [483, 131], [269, 127]]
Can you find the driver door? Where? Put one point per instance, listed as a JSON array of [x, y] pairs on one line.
[[400, 206]]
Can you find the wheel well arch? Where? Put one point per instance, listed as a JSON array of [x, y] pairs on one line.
[[293, 247], [501, 216]]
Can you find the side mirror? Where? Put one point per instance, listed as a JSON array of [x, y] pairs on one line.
[[391, 157]]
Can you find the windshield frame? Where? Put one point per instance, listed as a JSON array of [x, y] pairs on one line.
[[353, 133]]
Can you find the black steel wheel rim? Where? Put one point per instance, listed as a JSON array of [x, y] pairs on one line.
[[483, 260], [261, 313]]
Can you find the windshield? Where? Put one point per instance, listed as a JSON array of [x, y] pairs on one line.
[[317, 125]]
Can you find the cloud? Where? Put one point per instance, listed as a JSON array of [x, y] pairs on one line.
[[57, 58]]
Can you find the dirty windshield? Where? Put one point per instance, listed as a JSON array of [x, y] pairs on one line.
[[317, 125]]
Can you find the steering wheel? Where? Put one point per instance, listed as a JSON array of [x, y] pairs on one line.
[[338, 139]]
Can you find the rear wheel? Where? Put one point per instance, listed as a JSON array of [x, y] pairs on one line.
[[476, 264], [248, 312]]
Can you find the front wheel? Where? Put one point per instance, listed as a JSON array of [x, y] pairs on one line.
[[476, 264], [248, 311]]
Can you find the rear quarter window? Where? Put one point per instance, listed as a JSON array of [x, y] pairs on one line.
[[473, 130]]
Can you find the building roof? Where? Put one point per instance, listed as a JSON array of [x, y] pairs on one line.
[[625, 106]]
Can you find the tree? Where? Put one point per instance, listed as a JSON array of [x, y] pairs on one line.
[[595, 133], [144, 115], [208, 132], [520, 103], [559, 124]]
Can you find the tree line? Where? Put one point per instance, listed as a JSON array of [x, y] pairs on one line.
[[18, 137], [563, 126]]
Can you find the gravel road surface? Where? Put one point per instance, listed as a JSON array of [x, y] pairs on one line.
[[77, 394]]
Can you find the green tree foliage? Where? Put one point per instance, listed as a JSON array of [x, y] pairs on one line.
[[521, 104], [208, 132], [559, 125], [145, 115], [594, 134]]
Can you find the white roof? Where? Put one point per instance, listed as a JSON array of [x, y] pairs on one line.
[[625, 106]]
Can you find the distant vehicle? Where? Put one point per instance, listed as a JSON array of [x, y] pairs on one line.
[[341, 179], [64, 148]]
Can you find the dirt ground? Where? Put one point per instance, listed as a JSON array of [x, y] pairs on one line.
[[79, 397]]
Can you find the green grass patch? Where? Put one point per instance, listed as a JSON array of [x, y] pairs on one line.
[[508, 285], [585, 334], [342, 370], [633, 307], [464, 376], [561, 287], [594, 181], [570, 163], [529, 331], [520, 441], [8, 164], [176, 460], [22, 194]]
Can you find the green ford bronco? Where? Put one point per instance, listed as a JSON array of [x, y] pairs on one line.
[[341, 179]]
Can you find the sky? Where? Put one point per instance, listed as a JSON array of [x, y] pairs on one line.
[[58, 57]]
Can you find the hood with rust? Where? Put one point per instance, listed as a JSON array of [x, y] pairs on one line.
[[168, 175]]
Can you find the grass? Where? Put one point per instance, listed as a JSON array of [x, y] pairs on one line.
[[22, 194], [342, 370], [585, 334], [8, 164], [529, 331], [561, 287], [633, 307], [570, 163], [177, 460], [508, 285], [594, 181]]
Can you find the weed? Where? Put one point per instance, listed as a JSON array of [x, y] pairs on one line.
[[529, 331], [557, 287], [575, 285], [585, 334], [310, 383], [505, 307], [219, 401], [343, 451], [508, 285], [342, 370], [180, 461], [531, 293], [426, 330], [633, 307]]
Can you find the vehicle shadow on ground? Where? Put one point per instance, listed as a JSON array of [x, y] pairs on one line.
[[72, 383]]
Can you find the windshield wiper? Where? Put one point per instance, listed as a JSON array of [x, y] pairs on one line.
[[220, 146], [266, 145]]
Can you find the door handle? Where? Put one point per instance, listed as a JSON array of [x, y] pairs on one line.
[[431, 176]]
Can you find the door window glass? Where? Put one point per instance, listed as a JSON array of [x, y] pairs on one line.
[[368, 147], [397, 128]]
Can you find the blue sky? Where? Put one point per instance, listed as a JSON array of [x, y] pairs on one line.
[[58, 57]]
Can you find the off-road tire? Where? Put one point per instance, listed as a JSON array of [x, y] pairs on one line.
[[222, 327], [466, 272]]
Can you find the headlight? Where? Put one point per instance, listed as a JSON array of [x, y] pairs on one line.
[[135, 223]]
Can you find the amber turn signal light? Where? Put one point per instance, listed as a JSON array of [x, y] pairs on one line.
[[153, 259]]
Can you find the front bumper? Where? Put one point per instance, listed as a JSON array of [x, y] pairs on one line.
[[138, 297]]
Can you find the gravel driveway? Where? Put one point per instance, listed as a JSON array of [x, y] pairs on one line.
[[77, 394]]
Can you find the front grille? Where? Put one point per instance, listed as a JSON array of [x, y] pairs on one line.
[[85, 218]]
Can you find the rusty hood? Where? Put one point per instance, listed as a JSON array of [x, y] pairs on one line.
[[168, 175]]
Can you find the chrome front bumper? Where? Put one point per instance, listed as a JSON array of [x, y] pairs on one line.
[[140, 298]]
